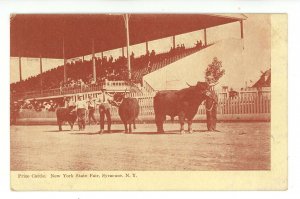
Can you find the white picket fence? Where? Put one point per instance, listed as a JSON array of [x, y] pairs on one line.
[[253, 107]]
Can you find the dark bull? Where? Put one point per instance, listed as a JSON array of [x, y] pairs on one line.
[[66, 115], [183, 103], [128, 110]]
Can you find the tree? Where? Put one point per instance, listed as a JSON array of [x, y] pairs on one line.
[[214, 71]]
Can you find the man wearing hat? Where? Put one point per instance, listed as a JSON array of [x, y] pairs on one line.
[[81, 108], [104, 100], [91, 107]]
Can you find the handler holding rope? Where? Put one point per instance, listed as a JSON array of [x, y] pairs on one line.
[[211, 110], [104, 100], [213, 73]]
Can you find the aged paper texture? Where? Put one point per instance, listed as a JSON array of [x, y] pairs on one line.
[[148, 102]]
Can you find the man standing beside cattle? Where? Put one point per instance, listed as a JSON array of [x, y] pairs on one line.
[[212, 75], [91, 109], [104, 100], [81, 109]]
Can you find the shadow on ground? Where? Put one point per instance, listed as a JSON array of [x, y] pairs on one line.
[[134, 133]]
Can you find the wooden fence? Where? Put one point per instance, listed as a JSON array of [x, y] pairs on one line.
[[254, 107]]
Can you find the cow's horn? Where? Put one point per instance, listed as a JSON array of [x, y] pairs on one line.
[[188, 84], [213, 84]]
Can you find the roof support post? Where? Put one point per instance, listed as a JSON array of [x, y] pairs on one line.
[[41, 72], [94, 62], [128, 45], [65, 62], [242, 29], [147, 47], [20, 68], [65, 70], [123, 52], [205, 38], [174, 42], [102, 55]]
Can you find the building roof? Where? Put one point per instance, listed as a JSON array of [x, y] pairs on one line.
[[264, 80], [35, 35]]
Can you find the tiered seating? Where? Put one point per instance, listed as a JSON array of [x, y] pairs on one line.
[[162, 60], [80, 72]]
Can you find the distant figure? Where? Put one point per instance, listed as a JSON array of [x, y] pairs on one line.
[[14, 113], [233, 94], [149, 67], [211, 110], [81, 108], [104, 101]]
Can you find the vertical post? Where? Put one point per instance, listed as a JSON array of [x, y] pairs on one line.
[[205, 39], [122, 51], [65, 62], [101, 55], [242, 29], [128, 45], [174, 42], [82, 58], [20, 68], [94, 61], [41, 72], [147, 47]]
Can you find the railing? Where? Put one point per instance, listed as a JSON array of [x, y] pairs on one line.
[[165, 61], [109, 85], [238, 108], [147, 87]]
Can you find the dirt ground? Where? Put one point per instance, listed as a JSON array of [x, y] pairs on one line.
[[238, 146]]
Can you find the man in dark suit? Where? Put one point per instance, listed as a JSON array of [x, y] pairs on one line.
[[104, 100], [211, 110]]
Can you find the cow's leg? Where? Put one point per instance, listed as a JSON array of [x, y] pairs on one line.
[[190, 130], [181, 121], [59, 125], [134, 127], [125, 125], [159, 120], [71, 125], [130, 129]]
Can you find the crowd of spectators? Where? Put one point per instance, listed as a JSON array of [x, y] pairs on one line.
[[80, 72], [37, 105]]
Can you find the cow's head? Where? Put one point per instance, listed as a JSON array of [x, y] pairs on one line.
[[118, 99], [202, 87]]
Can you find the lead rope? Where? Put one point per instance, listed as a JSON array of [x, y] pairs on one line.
[[210, 108]]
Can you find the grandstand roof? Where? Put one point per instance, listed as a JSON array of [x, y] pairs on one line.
[[35, 35]]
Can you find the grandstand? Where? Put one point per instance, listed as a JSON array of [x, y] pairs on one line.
[[58, 36]]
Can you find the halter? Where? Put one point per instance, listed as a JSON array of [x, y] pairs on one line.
[[117, 104]]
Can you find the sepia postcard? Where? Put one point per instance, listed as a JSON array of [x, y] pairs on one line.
[[148, 101]]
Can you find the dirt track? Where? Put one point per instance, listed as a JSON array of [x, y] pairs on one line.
[[238, 146]]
